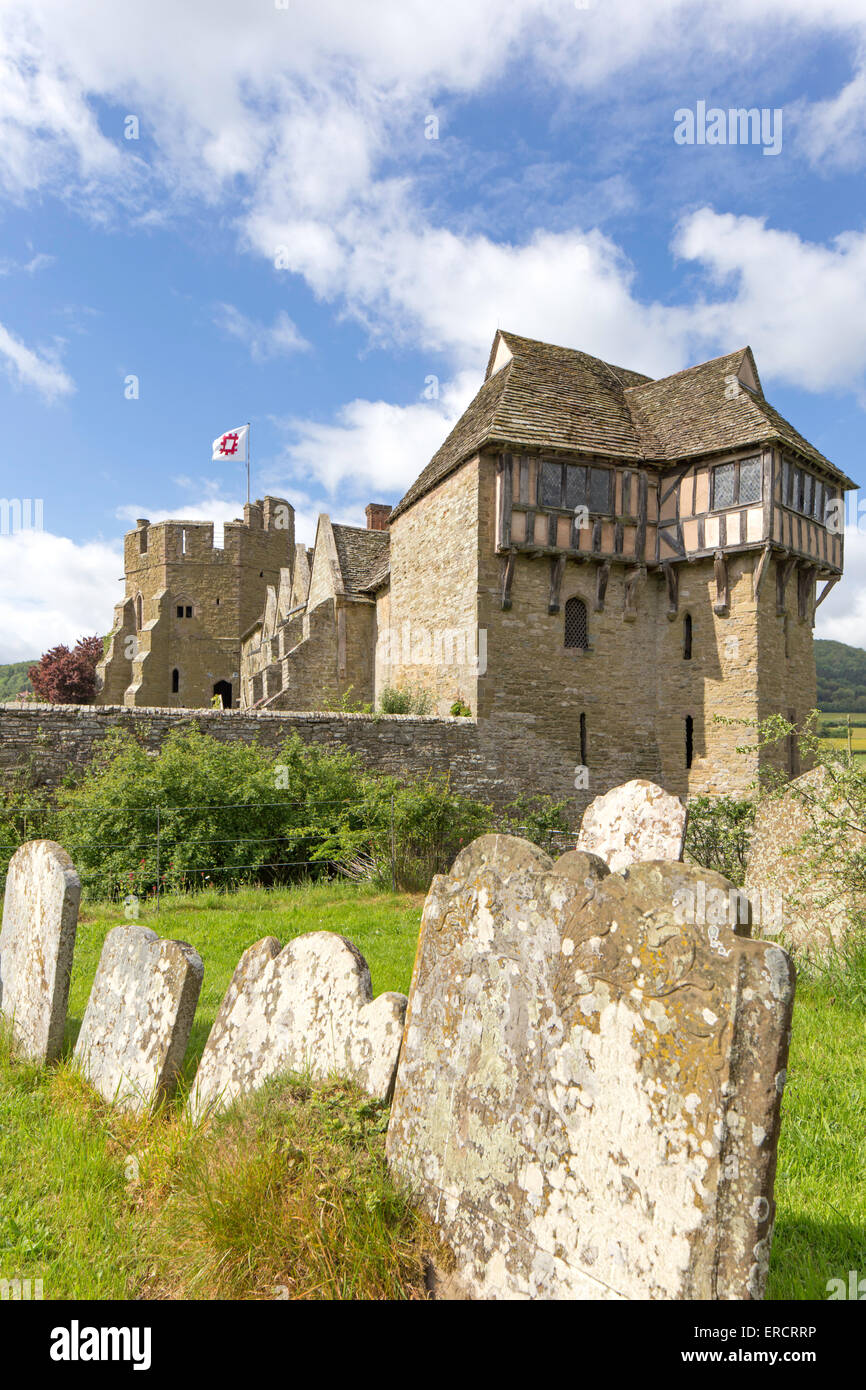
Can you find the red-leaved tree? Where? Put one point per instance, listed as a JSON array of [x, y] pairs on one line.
[[65, 677]]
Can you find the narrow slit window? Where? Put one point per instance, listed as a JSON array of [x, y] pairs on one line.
[[583, 740], [576, 627], [690, 739], [687, 637], [175, 681]]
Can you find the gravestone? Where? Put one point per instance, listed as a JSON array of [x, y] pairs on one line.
[[588, 1097], [306, 1008], [633, 822], [803, 907], [37, 939], [137, 1023]]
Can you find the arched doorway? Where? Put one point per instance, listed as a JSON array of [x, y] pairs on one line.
[[224, 690]]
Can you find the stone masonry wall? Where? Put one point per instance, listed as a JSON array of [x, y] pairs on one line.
[[44, 742]]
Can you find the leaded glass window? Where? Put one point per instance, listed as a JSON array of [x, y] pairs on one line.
[[599, 489], [576, 627], [723, 486], [550, 486]]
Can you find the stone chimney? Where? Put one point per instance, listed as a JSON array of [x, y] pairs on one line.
[[377, 516]]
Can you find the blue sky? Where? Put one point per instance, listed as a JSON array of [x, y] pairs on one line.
[[283, 243]]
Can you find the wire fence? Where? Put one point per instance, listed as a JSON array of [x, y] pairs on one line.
[[148, 852]]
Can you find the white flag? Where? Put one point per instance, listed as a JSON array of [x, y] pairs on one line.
[[232, 444]]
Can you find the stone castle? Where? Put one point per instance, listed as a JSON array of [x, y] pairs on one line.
[[594, 564]]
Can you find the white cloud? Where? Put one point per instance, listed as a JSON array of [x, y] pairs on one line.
[[70, 592], [374, 449], [842, 615], [801, 305], [263, 340], [27, 367]]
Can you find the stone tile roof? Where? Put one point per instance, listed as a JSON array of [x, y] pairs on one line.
[[558, 398], [689, 414], [361, 554]]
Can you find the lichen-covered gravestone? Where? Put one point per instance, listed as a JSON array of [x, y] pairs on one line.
[[137, 1023], [633, 822], [40, 915], [806, 908], [306, 1008], [588, 1096]]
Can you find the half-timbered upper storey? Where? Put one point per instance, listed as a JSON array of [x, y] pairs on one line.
[[598, 461]]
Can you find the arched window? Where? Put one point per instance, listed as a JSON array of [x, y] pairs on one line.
[[687, 637], [175, 681], [576, 628], [690, 739]]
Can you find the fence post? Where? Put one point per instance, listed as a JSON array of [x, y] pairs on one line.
[[157, 859], [393, 849]]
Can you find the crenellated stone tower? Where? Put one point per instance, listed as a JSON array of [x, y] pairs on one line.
[[177, 633]]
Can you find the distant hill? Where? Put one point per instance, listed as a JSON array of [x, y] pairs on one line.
[[13, 678], [841, 677]]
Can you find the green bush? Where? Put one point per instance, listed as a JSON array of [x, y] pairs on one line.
[[718, 834], [232, 814], [404, 700], [541, 820]]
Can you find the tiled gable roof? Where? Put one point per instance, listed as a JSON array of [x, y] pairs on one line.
[[551, 397], [705, 409], [361, 554]]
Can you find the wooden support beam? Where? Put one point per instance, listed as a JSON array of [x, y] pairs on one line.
[[642, 495], [805, 588], [602, 574], [784, 570], [506, 491], [507, 577], [723, 594], [557, 569], [632, 577], [831, 584], [760, 571], [672, 579]]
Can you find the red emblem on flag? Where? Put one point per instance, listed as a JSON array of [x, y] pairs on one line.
[[229, 443]]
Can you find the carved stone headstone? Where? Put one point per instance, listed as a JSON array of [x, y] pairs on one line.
[[588, 1096], [137, 1022], [37, 939], [633, 822], [306, 1008], [796, 902]]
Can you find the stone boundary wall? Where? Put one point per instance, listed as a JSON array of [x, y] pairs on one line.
[[44, 742]]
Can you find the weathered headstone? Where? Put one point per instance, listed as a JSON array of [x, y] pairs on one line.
[[37, 939], [137, 1022], [306, 1008], [798, 904], [588, 1096], [633, 822]]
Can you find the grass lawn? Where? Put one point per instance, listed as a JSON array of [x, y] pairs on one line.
[[289, 1196]]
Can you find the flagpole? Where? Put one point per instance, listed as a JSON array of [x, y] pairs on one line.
[[249, 431]]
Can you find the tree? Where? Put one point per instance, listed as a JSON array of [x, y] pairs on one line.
[[65, 677]]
